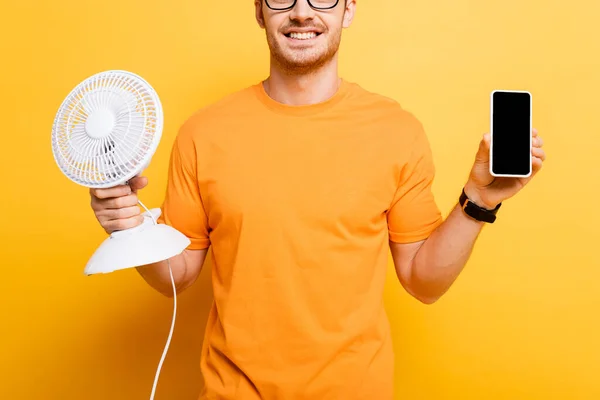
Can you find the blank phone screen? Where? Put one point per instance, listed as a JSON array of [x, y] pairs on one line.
[[511, 133]]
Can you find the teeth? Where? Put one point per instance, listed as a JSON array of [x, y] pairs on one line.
[[303, 36]]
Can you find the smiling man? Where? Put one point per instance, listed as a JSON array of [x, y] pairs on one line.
[[301, 185]]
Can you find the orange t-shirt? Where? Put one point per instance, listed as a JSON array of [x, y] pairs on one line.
[[297, 204]]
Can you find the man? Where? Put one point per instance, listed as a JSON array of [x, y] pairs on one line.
[[300, 185]]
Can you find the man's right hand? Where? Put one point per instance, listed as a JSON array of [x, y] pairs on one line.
[[117, 208]]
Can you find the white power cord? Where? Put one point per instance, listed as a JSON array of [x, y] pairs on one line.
[[164, 354]]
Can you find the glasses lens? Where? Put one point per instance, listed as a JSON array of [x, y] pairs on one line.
[[280, 4], [285, 4], [323, 3]]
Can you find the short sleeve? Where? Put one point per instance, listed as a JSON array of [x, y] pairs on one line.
[[182, 207], [414, 214]]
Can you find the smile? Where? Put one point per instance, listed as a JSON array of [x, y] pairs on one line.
[[302, 35]]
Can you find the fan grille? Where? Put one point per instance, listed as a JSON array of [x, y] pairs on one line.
[[107, 129]]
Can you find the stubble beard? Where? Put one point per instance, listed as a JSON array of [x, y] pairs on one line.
[[303, 61]]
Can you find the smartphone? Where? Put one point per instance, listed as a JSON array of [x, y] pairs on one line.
[[511, 133]]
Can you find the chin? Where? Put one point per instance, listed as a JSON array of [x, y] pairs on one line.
[[298, 57], [302, 63], [304, 59]]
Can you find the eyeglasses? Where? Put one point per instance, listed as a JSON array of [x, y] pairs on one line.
[[283, 5]]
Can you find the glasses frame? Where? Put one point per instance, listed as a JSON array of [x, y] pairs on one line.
[[309, 3]]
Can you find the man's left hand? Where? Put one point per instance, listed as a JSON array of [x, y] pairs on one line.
[[487, 190]]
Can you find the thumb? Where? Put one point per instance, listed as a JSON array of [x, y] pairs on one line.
[[483, 154], [137, 183]]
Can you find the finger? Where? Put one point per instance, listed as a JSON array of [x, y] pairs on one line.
[[536, 164], [116, 202], [483, 154], [538, 153], [534, 132], [122, 224], [138, 182], [117, 191], [538, 141], [119, 213], [486, 140]]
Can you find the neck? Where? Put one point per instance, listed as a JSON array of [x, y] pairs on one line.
[[294, 88]]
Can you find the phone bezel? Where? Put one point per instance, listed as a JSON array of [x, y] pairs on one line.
[[491, 166]]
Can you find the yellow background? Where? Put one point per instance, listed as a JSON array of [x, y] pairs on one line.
[[522, 321]]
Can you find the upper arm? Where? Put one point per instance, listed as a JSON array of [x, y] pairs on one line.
[[185, 268], [413, 213], [194, 261], [403, 255], [183, 207]]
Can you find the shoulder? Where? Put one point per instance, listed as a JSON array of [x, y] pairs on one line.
[[376, 103], [215, 117], [399, 121]]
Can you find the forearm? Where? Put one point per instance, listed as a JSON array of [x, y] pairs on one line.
[[443, 255]]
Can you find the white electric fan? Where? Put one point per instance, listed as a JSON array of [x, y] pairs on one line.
[[105, 133]]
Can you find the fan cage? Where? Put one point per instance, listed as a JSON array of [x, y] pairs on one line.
[[117, 157]]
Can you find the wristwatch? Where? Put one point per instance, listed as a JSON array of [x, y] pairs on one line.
[[476, 212]]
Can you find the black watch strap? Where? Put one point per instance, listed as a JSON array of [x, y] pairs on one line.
[[476, 212]]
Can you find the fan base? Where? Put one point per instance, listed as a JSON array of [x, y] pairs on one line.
[[145, 244]]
